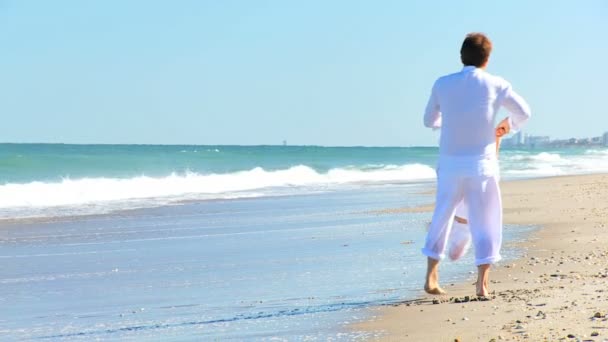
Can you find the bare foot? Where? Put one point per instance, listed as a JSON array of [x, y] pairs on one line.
[[482, 280], [434, 290], [482, 291], [431, 285]]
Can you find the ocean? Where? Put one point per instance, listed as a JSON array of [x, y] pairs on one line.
[[42, 180], [140, 242]]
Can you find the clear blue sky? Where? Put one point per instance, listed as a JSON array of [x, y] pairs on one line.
[[258, 72]]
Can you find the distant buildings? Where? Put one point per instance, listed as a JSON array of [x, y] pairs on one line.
[[522, 140], [519, 138], [538, 141]]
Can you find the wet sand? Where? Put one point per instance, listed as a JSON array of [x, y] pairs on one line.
[[556, 291]]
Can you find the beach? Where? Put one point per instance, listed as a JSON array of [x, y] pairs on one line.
[[283, 267], [132, 242], [267, 171], [555, 291], [290, 268]]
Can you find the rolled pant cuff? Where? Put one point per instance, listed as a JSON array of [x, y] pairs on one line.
[[432, 254], [489, 260]]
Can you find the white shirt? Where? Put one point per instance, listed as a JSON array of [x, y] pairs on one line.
[[464, 106]]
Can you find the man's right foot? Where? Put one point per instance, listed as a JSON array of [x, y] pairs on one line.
[[482, 291], [481, 286]]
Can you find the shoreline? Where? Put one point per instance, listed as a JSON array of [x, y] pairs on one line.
[[554, 291], [63, 216]]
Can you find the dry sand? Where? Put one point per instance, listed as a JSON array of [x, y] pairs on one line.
[[557, 291]]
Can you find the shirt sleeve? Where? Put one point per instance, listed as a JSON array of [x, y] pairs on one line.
[[519, 111], [432, 114]]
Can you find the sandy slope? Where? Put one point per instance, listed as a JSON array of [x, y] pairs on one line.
[[551, 294]]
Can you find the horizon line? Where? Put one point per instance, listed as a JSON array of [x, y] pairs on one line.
[[225, 145]]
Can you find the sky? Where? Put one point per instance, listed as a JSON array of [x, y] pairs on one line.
[[339, 73]]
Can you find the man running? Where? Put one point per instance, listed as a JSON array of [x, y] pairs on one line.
[[464, 105]]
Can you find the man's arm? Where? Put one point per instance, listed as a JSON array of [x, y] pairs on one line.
[[519, 111], [432, 114]]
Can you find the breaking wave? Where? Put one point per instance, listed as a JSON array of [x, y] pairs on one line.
[[191, 185]]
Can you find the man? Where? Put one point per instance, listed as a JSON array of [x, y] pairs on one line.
[[464, 105]]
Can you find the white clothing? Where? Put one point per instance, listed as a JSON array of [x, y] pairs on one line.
[[459, 239], [481, 194], [464, 106]]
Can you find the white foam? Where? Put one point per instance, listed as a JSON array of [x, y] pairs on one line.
[[554, 164], [540, 157], [597, 152], [73, 192]]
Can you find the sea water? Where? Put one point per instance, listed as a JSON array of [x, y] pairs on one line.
[[44, 180], [102, 243]]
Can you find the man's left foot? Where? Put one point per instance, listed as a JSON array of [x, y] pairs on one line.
[[434, 290]]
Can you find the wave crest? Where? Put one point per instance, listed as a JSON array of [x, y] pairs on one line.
[[71, 192], [540, 157]]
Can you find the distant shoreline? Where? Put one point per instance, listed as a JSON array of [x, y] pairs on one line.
[[259, 145]]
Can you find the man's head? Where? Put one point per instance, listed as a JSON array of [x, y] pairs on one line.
[[476, 50]]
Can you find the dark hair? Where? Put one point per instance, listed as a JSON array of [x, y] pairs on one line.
[[475, 49]]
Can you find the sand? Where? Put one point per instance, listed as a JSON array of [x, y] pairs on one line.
[[556, 291]]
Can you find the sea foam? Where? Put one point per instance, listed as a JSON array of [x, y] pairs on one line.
[[554, 163], [191, 185]]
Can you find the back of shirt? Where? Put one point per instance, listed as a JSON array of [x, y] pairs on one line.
[[464, 105]]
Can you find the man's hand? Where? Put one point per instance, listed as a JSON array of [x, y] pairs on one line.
[[503, 128]]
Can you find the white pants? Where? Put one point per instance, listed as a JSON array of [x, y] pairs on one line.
[[475, 183], [459, 238]]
